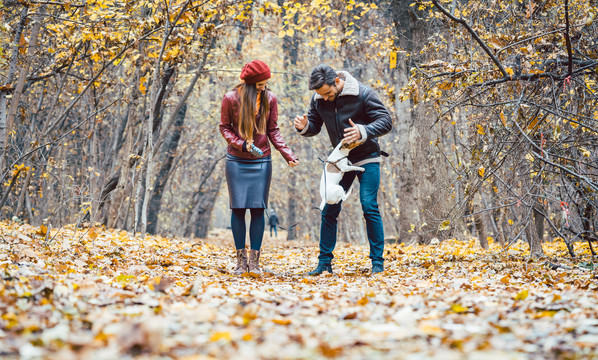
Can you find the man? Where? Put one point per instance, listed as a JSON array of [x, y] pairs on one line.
[[354, 114], [273, 221]]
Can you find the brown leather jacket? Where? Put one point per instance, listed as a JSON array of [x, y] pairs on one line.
[[229, 128]]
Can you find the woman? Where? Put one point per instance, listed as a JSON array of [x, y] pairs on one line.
[[248, 119]]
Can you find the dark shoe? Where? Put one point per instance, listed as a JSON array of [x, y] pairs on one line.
[[254, 262], [241, 262], [377, 268], [320, 269]]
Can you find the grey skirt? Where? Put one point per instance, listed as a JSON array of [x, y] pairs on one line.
[[248, 181]]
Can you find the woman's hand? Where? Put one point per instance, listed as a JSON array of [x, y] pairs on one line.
[[293, 163]]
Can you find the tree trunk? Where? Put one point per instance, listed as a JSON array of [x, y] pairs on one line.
[[478, 222], [24, 72], [162, 177], [157, 92], [292, 208], [118, 198], [290, 47], [481, 230], [24, 190], [535, 243], [539, 219], [204, 211], [203, 200], [420, 167], [5, 89], [529, 214]]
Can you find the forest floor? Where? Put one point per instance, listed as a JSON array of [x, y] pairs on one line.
[[99, 294]]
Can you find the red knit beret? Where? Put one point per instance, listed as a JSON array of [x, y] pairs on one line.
[[255, 71]]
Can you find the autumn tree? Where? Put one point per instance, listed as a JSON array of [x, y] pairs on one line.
[[518, 81]]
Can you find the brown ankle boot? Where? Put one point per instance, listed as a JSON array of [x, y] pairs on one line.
[[254, 262], [241, 262]]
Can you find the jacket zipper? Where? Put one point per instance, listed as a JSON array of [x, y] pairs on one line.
[[338, 131]]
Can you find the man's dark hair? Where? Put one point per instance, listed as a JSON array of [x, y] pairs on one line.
[[322, 75]]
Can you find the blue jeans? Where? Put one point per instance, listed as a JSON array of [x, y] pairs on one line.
[[369, 182]]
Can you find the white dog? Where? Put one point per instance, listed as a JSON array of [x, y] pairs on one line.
[[336, 165]]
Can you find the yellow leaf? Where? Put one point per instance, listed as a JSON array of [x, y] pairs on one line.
[[502, 118], [510, 71], [93, 232], [96, 57], [42, 230], [458, 308], [124, 279], [393, 59], [545, 313], [523, 294], [102, 337], [496, 43], [480, 129], [445, 225], [533, 123], [447, 86], [282, 321], [220, 335], [363, 301], [481, 171]]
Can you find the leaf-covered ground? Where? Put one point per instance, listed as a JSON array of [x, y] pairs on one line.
[[97, 294]]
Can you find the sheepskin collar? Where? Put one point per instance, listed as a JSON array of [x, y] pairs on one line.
[[351, 85]]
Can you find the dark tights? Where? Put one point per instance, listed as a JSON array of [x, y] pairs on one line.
[[256, 228]]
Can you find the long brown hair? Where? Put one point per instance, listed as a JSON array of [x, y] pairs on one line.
[[248, 121]]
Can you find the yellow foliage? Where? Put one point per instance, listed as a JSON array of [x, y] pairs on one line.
[[522, 295], [220, 335], [481, 171], [282, 321]]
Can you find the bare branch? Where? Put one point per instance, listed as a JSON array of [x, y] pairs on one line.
[[56, 3], [568, 39], [475, 35]]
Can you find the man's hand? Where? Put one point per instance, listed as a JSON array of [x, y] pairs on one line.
[[300, 122], [293, 163], [352, 134]]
